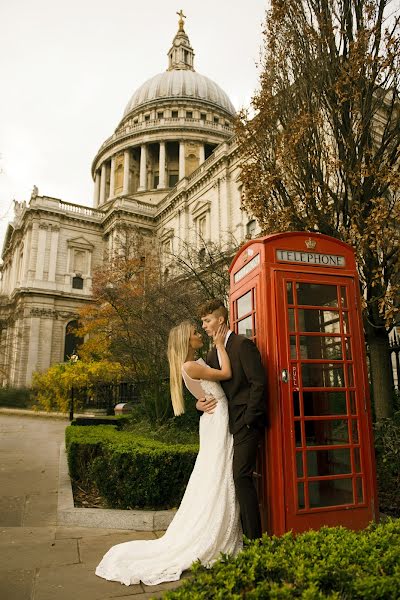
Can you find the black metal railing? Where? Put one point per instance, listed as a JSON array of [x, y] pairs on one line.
[[104, 396]]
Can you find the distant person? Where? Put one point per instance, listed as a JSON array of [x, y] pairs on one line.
[[245, 392], [207, 522]]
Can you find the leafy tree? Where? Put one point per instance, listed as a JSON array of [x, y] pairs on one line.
[[321, 149]]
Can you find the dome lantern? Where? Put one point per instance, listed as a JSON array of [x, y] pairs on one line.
[[181, 53]]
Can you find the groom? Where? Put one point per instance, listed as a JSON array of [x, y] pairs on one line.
[[245, 392]]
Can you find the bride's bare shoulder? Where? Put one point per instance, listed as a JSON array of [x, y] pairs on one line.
[[191, 368]]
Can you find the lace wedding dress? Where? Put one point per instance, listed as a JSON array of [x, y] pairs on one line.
[[207, 521]]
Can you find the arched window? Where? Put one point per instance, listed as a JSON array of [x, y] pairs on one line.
[[72, 341]]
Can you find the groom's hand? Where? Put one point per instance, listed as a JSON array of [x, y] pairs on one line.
[[206, 404]]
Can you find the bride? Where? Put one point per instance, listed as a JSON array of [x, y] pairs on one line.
[[207, 521]]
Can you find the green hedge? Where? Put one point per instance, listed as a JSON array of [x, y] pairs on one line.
[[16, 398], [129, 471], [333, 563]]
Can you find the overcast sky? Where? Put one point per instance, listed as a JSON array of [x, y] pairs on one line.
[[68, 69]]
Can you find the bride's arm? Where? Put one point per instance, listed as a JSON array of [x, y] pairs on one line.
[[197, 371]]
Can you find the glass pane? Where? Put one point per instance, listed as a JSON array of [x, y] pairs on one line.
[[320, 347], [293, 352], [297, 433], [343, 297], [245, 327], [350, 379], [328, 462], [300, 494], [330, 493], [353, 407], [354, 431], [299, 463], [296, 404], [322, 375], [348, 349], [324, 403], [316, 294], [292, 326], [244, 305], [359, 488], [321, 321], [326, 433], [289, 292], [345, 322], [357, 463]]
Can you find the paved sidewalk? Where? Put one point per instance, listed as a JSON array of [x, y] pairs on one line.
[[40, 560]]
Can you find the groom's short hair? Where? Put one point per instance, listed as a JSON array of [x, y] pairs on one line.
[[211, 306]]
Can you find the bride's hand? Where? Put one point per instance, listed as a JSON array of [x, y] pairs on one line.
[[220, 335]]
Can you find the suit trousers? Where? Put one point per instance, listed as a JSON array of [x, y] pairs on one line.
[[245, 443]]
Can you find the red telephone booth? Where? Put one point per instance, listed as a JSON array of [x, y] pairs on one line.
[[297, 296]]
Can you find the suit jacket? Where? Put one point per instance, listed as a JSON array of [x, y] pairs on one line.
[[246, 390]]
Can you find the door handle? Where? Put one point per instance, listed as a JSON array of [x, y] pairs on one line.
[[284, 376]]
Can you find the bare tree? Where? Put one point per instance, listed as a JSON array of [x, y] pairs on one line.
[[322, 152]]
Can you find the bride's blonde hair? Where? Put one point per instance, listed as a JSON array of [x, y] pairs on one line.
[[178, 346]]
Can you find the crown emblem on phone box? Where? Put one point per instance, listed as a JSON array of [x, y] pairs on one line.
[[310, 243]]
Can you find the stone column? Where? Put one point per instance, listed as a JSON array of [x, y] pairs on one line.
[[127, 164], [41, 249], [181, 159], [33, 351], [32, 253], [143, 169], [103, 184], [202, 154], [47, 335], [55, 230], [224, 204], [161, 166], [25, 257], [96, 194], [112, 178]]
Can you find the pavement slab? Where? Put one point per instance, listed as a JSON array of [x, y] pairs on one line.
[[11, 510], [16, 584], [80, 582]]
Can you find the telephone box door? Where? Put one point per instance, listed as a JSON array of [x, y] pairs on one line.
[[325, 429]]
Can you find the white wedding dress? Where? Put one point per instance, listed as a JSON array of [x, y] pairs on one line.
[[208, 519]]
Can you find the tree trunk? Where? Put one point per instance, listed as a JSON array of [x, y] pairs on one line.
[[381, 372]]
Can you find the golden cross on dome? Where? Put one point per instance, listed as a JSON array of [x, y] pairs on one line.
[[181, 17]]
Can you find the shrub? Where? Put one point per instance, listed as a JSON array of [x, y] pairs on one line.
[[53, 387], [16, 397], [334, 563], [130, 471], [387, 449]]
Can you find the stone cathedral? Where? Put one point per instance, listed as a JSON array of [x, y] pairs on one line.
[[171, 170]]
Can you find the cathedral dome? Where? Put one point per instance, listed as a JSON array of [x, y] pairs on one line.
[[183, 84]]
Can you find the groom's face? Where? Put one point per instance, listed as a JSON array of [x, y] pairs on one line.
[[211, 322]]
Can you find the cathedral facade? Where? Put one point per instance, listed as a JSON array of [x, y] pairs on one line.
[[171, 170]]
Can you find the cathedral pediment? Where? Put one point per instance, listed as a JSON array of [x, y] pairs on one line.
[[200, 207], [80, 242]]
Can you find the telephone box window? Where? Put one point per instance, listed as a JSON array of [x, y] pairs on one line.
[[330, 493], [313, 294], [244, 305], [324, 403]]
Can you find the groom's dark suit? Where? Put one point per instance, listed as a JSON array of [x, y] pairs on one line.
[[247, 417]]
